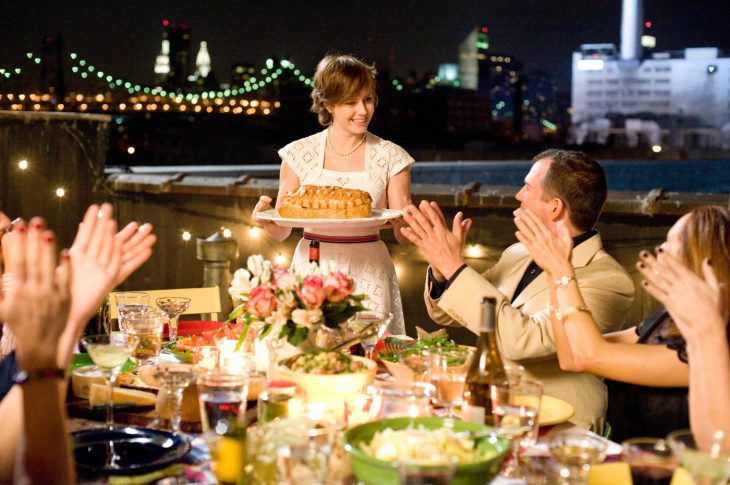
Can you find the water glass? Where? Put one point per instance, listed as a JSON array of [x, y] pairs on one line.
[[222, 398], [576, 451], [305, 460], [130, 301], [147, 325], [706, 466], [396, 399], [449, 379], [651, 460], [414, 473], [516, 407], [174, 380]]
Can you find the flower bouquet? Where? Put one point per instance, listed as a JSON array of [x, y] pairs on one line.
[[308, 307]]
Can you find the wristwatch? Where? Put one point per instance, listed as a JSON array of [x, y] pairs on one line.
[[22, 376], [563, 281]]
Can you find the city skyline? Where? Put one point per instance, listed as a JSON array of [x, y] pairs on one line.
[[124, 37]]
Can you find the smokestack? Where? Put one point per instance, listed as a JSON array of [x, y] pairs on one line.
[[631, 28]]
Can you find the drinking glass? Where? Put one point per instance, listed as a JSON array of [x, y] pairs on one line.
[[418, 362], [515, 407], [650, 459], [222, 398], [173, 381], [576, 451], [130, 301], [147, 326], [304, 459], [414, 473], [706, 467], [174, 306], [381, 321], [110, 352], [448, 378]]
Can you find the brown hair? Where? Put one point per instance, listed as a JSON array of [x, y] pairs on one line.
[[706, 235], [339, 78], [579, 181]]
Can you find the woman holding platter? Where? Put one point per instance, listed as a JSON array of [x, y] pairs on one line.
[[346, 155]]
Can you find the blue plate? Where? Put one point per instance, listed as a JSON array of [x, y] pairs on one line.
[[139, 450]]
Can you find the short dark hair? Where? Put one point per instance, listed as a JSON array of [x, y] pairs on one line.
[[339, 78], [579, 181]]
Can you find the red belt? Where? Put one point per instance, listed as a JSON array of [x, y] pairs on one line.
[[342, 239]]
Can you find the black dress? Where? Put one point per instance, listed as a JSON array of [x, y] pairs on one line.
[[649, 411]]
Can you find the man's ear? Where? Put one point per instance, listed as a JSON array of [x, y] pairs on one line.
[[557, 208]]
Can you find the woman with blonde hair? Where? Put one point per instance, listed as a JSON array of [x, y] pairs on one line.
[[345, 154], [647, 364]]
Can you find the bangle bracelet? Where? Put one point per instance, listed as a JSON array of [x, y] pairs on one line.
[[22, 377], [563, 314], [563, 281]]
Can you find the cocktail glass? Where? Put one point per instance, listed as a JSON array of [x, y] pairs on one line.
[[576, 452], [380, 320], [418, 361], [173, 381], [651, 460], [706, 466], [130, 301], [515, 407], [110, 352], [174, 306], [448, 375]]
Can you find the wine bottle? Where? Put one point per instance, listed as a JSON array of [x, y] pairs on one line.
[[486, 368], [313, 251]]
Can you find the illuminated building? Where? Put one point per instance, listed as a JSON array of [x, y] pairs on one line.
[[689, 87], [471, 51], [162, 62], [179, 37], [202, 61]]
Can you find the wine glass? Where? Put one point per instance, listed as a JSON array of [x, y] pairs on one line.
[[706, 467], [515, 407], [174, 306], [419, 361], [110, 352], [448, 374], [361, 320], [576, 452], [173, 380]]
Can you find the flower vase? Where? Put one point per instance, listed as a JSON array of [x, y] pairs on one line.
[[269, 351]]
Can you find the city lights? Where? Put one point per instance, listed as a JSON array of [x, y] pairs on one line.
[[656, 148]]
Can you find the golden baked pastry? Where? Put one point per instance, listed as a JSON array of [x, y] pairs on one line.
[[325, 202]]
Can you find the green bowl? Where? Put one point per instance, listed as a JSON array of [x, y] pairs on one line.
[[371, 471]]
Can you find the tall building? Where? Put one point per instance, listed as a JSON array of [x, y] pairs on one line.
[[180, 67], [471, 51], [202, 61], [688, 86], [162, 62]]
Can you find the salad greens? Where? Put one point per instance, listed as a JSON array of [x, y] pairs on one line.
[[457, 355]]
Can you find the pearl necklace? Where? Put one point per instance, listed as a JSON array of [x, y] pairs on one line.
[[346, 154]]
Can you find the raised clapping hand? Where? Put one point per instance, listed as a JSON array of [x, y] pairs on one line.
[[427, 229], [550, 251], [36, 305], [696, 305]]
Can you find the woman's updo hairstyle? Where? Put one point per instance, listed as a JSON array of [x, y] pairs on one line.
[[339, 78]]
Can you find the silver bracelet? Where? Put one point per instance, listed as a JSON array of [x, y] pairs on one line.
[[563, 314]]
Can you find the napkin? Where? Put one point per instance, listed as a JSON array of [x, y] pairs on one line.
[[172, 470], [424, 335]]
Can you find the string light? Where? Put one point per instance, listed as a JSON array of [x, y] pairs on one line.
[[227, 232], [130, 150], [254, 231], [186, 236], [474, 251], [23, 164], [60, 192], [280, 259]]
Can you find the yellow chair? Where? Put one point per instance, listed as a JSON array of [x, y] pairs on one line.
[[204, 301]]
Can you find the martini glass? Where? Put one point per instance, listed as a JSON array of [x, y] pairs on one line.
[[174, 306], [379, 320], [173, 381], [110, 352]]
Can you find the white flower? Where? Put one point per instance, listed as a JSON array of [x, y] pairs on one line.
[[286, 281], [287, 301], [259, 268], [277, 320], [241, 284], [306, 318]]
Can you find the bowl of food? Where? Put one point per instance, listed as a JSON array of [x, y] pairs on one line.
[[329, 377], [458, 356], [377, 448]]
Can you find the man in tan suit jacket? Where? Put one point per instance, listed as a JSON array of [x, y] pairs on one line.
[[561, 185]]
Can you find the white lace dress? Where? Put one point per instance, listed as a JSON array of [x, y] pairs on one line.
[[369, 263]]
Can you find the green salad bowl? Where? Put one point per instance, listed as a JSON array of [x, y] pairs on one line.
[[372, 471]]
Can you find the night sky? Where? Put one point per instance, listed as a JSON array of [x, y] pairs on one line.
[[123, 37]]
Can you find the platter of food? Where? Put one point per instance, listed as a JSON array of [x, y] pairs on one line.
[[377, 218]]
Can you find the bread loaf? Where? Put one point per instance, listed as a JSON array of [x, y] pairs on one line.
[[325, 202]]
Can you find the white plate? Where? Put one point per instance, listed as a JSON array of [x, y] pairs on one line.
[[379, 217]]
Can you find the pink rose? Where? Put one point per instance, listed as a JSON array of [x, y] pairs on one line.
[[261, 301], [284, 279], [337, 287], [312, 291]]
